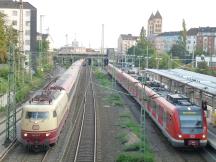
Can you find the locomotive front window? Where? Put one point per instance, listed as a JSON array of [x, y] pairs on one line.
[[191, 122], [37, 115]]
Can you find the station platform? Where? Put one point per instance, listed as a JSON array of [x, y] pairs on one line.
[[211, 129]]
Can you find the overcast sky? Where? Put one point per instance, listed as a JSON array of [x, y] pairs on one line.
[[84, 18]]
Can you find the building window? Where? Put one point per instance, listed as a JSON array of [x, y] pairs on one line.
[[27, 13], [27, 32], [14, 13], [27, 23], [14, 22], [27, 42]]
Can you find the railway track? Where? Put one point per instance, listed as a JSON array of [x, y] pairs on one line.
[[19, 154], [82, 143], [86, 147]]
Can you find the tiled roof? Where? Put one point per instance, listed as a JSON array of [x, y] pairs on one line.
[[15, 5], [128, 37], [192, 31], [151, 17], [158, 15], [207, 29], [175, 33]]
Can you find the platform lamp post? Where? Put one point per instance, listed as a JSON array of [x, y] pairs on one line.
[[147, 61], [193, 55]]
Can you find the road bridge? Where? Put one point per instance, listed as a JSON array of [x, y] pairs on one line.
[[63, 58]]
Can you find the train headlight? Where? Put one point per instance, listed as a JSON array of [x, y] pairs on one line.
[[25, 134], [180, 136], [47, 134], [203, 136]]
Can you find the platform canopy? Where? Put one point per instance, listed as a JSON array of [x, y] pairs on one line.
[[204, 83]]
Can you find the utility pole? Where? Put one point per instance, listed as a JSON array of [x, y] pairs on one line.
[[30, 67], [11, 100], [147, 58], [66, 36], [142, 116], [41, 43], [21, 57], [102, 40]]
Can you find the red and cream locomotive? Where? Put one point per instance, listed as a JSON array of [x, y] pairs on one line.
[[44, 115]]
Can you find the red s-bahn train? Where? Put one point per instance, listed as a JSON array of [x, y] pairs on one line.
[[44, 115], [183, 123]]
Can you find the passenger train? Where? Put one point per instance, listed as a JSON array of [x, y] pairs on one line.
[[182, 122], [44, 115]]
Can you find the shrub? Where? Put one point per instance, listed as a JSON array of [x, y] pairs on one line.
[[135, 157]]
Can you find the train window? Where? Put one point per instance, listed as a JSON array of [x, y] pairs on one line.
[[191, 121], [37, 115], [54, 114]]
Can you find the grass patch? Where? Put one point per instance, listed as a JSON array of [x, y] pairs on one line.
[[125, 115], [127, 122], [123, 138], [135, 157], [3, 85], [133, 147], [114, 100], [2, 109], [102, 78]]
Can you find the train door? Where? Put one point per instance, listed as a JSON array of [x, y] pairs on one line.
[[157, 111], [171, 124], [153, 106], [160, 115], [164, 119], [168, 122]]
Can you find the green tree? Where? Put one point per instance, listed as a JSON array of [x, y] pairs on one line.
[[45, 46], [8, 36], [3, 39], [179, 50], [199, 52], [183, 35], [143, 48], [164, 61], [142, 37]]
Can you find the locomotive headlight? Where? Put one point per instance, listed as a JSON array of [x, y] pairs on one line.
[[180, 136], [47, 134], [203, 136], [25, 134]]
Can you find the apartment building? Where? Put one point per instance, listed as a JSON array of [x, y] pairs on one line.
[[163, 42], [12, 11], [126, 41]]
